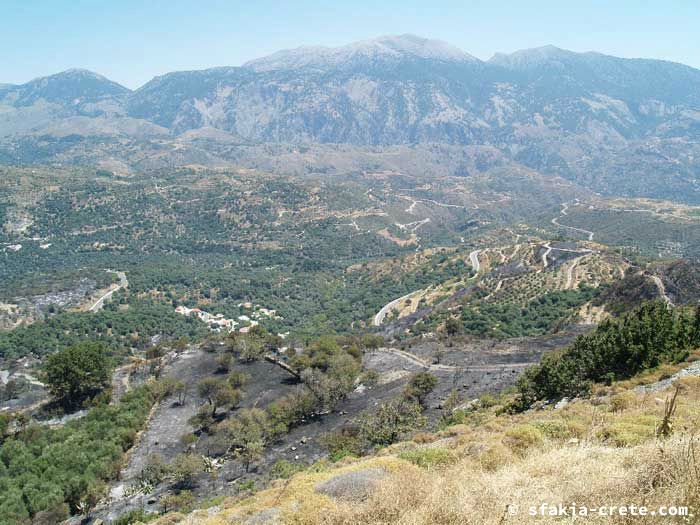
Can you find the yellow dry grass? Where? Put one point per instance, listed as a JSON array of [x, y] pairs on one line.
[[602, 451]]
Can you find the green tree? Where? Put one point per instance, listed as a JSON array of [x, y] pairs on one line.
[[393, 420], [247, 434], [184, 470], [420, 385], [78, 372], [453, 327], [218, 393]]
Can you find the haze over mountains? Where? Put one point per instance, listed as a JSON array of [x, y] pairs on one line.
[[577, 114]]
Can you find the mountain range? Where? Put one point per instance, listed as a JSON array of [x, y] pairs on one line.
[[586, 116]]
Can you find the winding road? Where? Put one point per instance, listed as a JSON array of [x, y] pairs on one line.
[[474, 258], [381, 314], [123, 283], [379, 317], [564, 209], [545, 262]]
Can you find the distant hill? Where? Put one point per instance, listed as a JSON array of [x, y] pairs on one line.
[[599, 120]]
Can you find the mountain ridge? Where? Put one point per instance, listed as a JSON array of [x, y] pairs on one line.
[[498, 58], [585, 116]]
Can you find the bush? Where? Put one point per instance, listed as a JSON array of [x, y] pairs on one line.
[[179, 501], [224, 363], [184, 469], [622, 401], [343, 443], [283, 469], [135, 516], [430, 458], [392, 421], [369, 377], [421, 384], [522, 437], [154, 471], [553, 428], [619, 348], [495, 457]]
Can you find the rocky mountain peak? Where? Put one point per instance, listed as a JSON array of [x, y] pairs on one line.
[[385, 48], [532, 58]]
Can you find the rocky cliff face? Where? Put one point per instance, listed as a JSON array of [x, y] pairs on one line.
[[393, 90], [609, 123]]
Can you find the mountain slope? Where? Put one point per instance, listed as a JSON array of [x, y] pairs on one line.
[[617, 126], [402, 90], [398, 90], [74, 86]]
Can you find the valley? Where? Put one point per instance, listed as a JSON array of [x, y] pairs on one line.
[[452, 277], [310, 288]]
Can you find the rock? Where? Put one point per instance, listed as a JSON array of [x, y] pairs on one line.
[[353, 486], [572, 442], [692, 370], [294, 448], [562, 403]]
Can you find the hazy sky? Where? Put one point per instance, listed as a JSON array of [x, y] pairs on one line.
[[131, 41]]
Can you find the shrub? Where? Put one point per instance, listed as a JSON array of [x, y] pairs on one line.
[[179, 501], [223, 363], [523, 437], [424, 438], [420, 385], [430, 458], [283, 469], [184, 469], [154, 471], [553, 428], [619, 348], [369, 377], [44, 467], [135, 516], [392, 421], [495, 457], [622, 401], [343, 443], [622, 434]]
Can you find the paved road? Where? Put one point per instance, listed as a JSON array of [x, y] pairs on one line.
[[123, 283], [381, 314], [378, 319], [474, 258], [545, 262]]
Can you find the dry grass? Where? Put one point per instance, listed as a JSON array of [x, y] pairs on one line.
[[590, 453]]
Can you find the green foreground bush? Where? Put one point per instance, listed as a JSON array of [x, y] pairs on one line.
[[618, 349]]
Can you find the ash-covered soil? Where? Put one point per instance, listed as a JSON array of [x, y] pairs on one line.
[[471, 366]]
